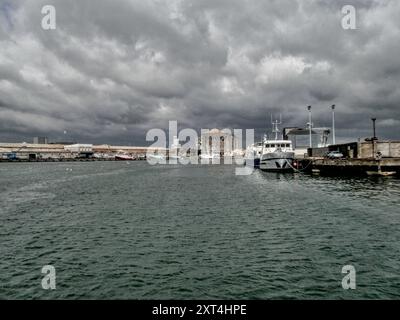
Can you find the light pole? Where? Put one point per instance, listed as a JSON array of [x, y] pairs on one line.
[[310, 124], [374, 137], [374, 128], [333, 125]]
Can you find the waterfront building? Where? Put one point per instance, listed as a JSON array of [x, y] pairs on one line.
[[81, 150], [217, 142]]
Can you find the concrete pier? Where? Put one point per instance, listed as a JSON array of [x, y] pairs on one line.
[[349, 166], [358, 158]]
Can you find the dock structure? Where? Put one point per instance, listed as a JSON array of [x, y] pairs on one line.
[[351, 166], [23, 152], [359, 158]]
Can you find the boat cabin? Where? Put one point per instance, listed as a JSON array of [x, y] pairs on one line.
[[283, 145]]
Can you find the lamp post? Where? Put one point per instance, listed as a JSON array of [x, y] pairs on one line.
[[374, 137], [333, 125], [310, 124], [374, 127]]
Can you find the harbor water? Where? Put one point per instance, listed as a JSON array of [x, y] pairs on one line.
[[128, 230]]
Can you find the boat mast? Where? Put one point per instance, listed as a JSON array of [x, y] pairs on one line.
[[275, 126]]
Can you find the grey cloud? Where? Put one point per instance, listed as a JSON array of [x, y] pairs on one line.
[[114, 69]]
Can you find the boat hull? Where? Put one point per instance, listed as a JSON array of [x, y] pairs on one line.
[[253, 162], [381, 173], [123, 158], [277, 161]]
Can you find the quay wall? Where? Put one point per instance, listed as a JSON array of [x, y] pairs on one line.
[[351, 166], [388, 149], [360, 150]]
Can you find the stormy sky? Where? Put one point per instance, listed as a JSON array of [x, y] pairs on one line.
[[114, 69]]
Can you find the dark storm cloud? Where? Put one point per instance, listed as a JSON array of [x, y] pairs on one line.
[[114, 69]]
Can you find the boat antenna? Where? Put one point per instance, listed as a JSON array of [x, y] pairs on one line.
[[275, 126]]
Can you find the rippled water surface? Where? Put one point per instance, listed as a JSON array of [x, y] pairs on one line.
[[117, 230]]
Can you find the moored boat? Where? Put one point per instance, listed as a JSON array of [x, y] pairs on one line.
[[277, 155], [123, 156]]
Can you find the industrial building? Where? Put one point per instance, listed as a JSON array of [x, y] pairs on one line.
[[80, 150], [300, 138]]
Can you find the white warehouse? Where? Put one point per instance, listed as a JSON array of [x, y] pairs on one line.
[[83, 150]]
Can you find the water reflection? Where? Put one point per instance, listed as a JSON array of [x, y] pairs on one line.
[[380, 188]]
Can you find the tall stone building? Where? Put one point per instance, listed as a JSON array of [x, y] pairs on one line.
[[217, 142]]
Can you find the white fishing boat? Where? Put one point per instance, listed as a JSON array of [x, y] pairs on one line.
[[123, 156], [278, 154]]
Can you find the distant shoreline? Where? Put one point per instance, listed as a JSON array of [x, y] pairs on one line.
[[65, 160]]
